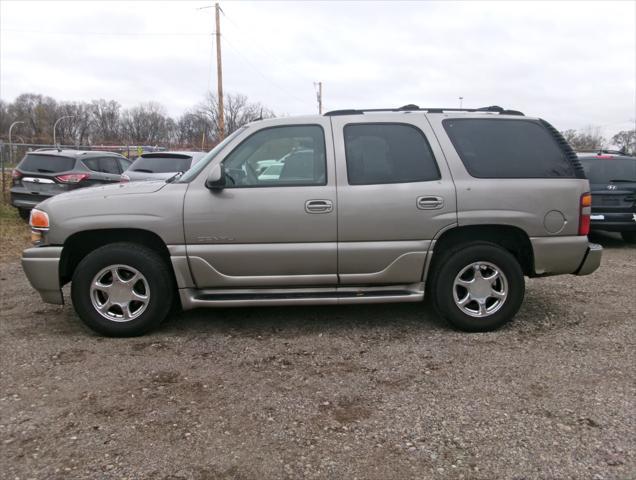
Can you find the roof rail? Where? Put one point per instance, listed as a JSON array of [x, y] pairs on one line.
[[414, 108]]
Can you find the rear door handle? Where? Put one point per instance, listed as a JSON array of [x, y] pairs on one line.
[[429, 203], [318, 206]]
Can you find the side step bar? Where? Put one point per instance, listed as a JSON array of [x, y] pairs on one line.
[[193, 298]]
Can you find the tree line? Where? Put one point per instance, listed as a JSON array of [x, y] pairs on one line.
[[590, 139], [105, 122]]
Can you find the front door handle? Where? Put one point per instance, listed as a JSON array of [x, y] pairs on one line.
[[430, 203], [318, 206]]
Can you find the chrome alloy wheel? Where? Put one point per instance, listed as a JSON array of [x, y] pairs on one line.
[[480, 289], [120, 293]]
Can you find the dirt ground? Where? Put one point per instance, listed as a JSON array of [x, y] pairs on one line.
[[367, 392]]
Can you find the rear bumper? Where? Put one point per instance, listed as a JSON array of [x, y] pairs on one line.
[[563, 255], [26, 200], [41, 266], [592, 259]]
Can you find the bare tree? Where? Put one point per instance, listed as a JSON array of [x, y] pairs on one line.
[[145, 124], [104, 121], [625, 140], [105, 116], [238, 112], [588, 139]]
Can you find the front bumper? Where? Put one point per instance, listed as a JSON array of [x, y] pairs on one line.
[[41, 266]]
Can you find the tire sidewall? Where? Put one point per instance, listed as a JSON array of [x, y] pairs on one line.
[[148, 263], [458, 260]]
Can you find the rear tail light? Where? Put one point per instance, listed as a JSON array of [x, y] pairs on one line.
[[124, 179], [72, 177], [585, 210], [16, 176]]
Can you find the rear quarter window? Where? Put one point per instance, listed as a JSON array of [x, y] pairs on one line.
[[46, 163], [501, 148]]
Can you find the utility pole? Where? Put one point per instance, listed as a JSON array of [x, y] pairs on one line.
[[319, 96], [219, 73], [461, 101]]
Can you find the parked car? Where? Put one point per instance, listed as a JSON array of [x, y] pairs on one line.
[[160, 165], [47, 172], [272, 172], [389, 205], [613, 185]]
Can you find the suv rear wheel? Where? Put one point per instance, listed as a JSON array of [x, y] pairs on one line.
[[478, 287], [122, 290]]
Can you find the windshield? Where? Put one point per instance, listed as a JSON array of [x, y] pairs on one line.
[[161, 164], [608, 170], [204, 162]]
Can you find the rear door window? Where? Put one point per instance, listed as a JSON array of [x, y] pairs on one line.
[[109, 165], [46, 163], [501, 148], [378, 153], [103, 165]]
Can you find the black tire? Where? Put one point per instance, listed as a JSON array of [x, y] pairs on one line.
[[454, 261], [24, 214], [629, 237], [156, 273]]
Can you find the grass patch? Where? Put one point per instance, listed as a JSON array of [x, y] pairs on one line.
[[15, 234]]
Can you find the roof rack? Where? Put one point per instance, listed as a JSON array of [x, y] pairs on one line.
[[414, 108]]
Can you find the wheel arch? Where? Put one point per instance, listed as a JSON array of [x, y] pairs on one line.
[[511, 238], [80, 244]]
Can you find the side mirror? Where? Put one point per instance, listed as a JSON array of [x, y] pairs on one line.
[[216, 178]]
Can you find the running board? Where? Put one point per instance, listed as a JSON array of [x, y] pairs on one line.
[[193, 298]]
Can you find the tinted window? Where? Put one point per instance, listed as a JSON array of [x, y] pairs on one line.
[[500, 148], [124, 163], [300, 149], [109, 165], [161, 164], [388, 153], [606, 170], [102, 164], [46, 163]]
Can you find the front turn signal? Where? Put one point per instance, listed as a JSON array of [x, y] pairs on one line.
[[39, 219]]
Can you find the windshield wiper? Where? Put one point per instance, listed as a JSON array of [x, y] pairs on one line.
[[174, 177], [44, 170], [144, 170], [622, 180]]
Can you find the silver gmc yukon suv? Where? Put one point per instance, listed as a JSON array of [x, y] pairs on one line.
[[363, 206]]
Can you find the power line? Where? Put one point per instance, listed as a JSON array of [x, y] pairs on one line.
[[113, 34], [286, 91]]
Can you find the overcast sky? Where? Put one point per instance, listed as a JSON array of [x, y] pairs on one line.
[[572, 63]]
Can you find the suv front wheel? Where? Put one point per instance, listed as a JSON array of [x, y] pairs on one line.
[[478, 287], [122, 289]]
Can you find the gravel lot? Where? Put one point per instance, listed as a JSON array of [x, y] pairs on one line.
[[327, 392]]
